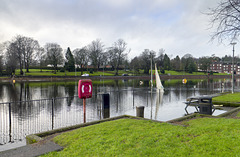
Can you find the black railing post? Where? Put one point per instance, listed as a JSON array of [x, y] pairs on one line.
[[10, 122], [133, 97], [53, 101]]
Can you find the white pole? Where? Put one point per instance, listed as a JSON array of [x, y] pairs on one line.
[[234, 43], [151, 71]]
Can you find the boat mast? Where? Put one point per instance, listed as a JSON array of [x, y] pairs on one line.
[[151, 71]]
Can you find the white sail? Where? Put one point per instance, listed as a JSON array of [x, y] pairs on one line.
[[158, 81]]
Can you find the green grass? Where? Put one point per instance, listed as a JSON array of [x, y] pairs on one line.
[[37, 72], [238, 115], [231, 97], [185, 73], [129, 137]]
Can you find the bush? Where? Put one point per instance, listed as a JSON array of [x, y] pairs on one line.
[[162, 71], [91, 71], [62, 70], [211, 73]]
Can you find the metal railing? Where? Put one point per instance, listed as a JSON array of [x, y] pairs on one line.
[[20, 118]]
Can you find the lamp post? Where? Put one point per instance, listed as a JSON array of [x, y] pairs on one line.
[[233, 44]]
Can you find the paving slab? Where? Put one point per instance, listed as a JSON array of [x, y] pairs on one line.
[[32, 150]]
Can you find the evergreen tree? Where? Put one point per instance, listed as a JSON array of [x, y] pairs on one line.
[[166, 62], [70, 62], [176, 62], [188, 64], [205, 63]]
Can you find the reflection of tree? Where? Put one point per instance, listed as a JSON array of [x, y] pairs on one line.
[[21, 92], [28, 93], [53, 91], [11, 92], [24, 109], [177, 92], [1, 90], [69, 91]]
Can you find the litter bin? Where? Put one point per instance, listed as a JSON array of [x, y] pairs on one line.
[[106, 105], [205, 105]]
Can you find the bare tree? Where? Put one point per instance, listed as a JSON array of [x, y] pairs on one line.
[[2, 52], [118, 50], [81, 57], [159, 60], [23, 48], [226, 18], [2, 48], [54, 55], [11, 59], [40, 56], [31, 47], [112, 58], [105, 59], [17, 49], [96, 49]]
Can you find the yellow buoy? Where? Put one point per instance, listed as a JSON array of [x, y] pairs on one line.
[[184, 81]]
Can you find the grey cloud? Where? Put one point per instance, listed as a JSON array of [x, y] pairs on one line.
[[177, 26]]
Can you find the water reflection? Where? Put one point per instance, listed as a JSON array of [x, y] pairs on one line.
[[44, 90], [64, 108], [159, 101]]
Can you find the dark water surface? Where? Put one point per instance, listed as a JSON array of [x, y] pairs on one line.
[[57, 104]]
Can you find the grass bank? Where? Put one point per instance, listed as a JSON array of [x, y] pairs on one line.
[[38, 72], [229, 99], [131, 137], [44, 72], [193, 73]]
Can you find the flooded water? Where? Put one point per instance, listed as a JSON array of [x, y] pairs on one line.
[[57, 104]]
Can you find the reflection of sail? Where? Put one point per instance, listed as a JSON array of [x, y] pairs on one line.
[[158, 81], [159, 100], [160, 91]]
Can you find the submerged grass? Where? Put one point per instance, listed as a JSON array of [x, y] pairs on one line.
[[231, 99], [129, 137]]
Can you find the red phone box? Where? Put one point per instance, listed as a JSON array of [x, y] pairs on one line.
[[85, 88]]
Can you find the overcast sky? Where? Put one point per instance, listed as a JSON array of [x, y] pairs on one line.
[[178, 26]]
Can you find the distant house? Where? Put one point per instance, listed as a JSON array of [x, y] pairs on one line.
[[216, 67], [224, 68]]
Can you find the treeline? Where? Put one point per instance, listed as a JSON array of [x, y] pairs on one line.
[[161, 59], [22, 52], [186, 63]]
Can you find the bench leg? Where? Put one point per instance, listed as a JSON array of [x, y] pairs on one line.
[[186, 109]]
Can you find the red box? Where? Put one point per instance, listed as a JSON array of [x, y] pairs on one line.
[[85, 88]]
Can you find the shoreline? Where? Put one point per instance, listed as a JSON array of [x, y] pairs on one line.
[[72, 78]]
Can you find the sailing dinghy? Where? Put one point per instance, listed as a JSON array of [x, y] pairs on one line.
[[158, 81]]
